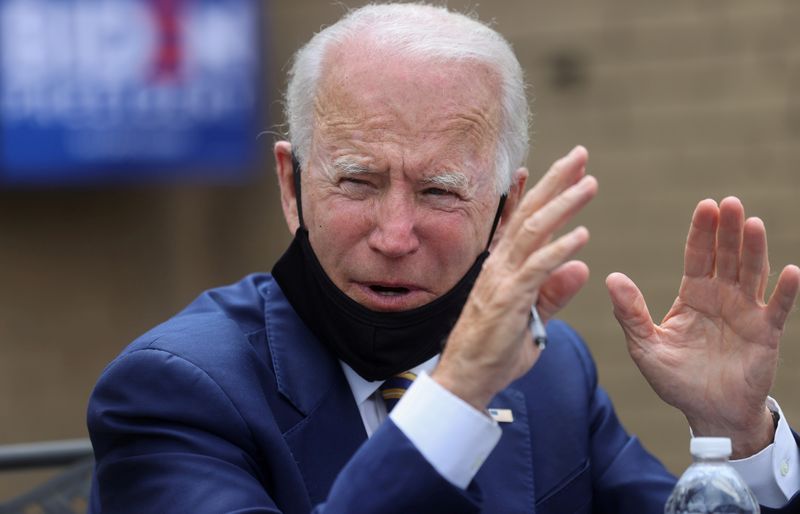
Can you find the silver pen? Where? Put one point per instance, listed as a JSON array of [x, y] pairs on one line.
[[537, 329]]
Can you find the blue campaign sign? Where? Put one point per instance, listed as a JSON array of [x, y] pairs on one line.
[[128, 90]]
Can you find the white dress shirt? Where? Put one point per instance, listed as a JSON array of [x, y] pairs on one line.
[[456, 439]]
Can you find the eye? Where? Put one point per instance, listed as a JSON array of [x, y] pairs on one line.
[[438, 191], [356, 187], [354, 182]]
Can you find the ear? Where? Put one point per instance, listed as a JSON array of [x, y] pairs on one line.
[[515, 192], [284, 168]]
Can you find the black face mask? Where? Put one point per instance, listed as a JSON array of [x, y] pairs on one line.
[[377, 345]]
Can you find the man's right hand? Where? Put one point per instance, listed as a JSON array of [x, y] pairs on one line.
[[490, 345]]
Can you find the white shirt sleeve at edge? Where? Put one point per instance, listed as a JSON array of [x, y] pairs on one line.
[[457, 454], [773, 474]]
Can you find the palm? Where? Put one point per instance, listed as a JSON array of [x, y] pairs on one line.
[[715, 343], [714, 355]]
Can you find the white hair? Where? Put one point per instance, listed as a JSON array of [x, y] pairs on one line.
[[420, 31]]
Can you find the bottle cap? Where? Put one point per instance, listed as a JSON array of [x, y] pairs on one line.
[[710, 447]]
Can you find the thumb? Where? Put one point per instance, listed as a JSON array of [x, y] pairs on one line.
[[630, 309]]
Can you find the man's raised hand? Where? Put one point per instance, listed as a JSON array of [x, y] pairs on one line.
[[715, 353], [490, 345]]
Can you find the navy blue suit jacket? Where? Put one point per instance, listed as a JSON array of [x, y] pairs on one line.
[[233, 406]]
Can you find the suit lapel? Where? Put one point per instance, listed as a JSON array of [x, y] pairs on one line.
[[331, 429], [506, 478], [310, 377]]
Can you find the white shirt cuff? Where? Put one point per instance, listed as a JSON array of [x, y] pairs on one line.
[[454, 437], [773, 474]]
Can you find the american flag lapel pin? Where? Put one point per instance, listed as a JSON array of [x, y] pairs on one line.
[[502, 415]]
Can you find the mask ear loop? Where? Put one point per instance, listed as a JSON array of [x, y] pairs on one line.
[[298, 196], [497, 218], [296, 174]]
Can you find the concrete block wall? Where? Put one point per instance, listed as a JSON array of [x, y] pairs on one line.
[[676, 102]]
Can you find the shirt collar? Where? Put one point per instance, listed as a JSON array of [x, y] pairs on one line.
[[362, 389]]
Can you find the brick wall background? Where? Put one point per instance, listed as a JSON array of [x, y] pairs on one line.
[[676, 101]]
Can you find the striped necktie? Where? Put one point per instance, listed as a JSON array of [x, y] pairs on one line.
[[394, 389]]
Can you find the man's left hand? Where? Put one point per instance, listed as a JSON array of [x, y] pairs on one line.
[[715, 354]]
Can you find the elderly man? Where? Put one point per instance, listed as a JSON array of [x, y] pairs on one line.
[[408, 127]]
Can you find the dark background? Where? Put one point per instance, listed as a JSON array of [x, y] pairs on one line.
[[676, 101]]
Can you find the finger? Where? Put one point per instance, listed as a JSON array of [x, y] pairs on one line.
[[729, 238], [534, 272], [540, 225], [754, 265], [561, 286], [698, 259], [630, 309], [563, 173], [783, 297]]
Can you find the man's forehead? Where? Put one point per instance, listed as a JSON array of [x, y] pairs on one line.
[[358, 72], [400, 99]]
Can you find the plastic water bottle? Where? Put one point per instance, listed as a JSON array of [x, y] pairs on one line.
[[710, 484]]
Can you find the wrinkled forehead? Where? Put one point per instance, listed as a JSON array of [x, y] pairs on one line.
[[367, 92]]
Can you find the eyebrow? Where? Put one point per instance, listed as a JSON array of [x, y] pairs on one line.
[[453, 180], [449, 179], [348, 167]]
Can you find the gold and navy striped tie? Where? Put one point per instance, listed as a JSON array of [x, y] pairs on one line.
[[394, 388]]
